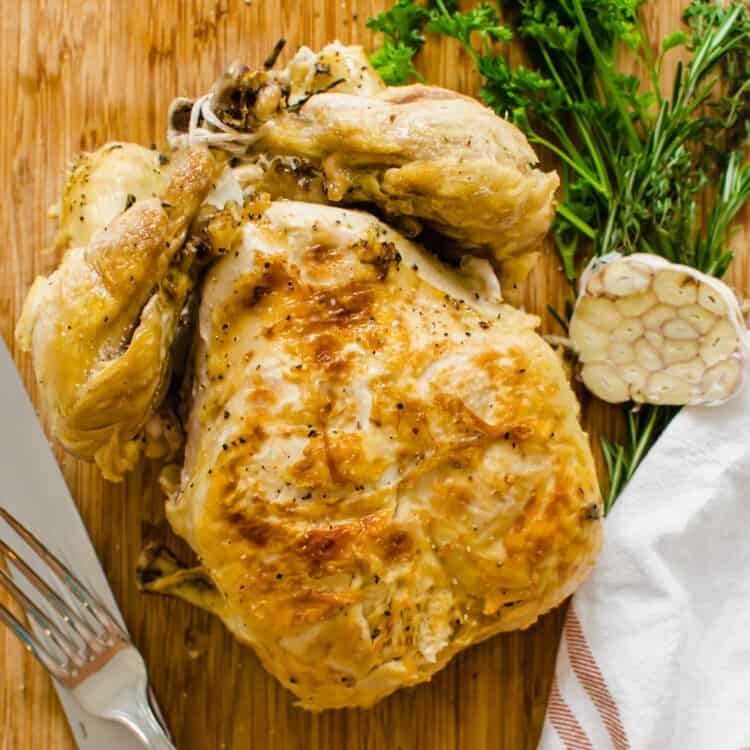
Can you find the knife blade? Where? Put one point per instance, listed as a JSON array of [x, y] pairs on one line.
[[34, 491]]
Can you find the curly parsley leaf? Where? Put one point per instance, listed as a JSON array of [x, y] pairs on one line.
[[394, 62], [401, 27], [482, 20], [402, 23]]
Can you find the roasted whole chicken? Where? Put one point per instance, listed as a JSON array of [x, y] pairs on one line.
[[382, 462]]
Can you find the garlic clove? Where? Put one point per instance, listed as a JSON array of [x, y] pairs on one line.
[[635, 305], [631, 329], [657, 316], [654, 338], [668, 389], [592, 343], [721, 380], [676, 350], [604, 381], [709, 299], [603, 311], [698, 317], [691, 371], [680, 329], [595, 286], [675, 288], [634, 375], [621, 353], [622, 278], [719, 342], [647, 356]]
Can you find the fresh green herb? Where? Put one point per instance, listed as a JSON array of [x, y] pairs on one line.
[[401, 27], [395, 63], [637, 165], [644, 427], [482, 20], [402, 23]]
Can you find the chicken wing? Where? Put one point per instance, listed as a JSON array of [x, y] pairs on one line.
[[101, 326]]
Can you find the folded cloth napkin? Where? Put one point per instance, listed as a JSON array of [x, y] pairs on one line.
[[655, 654]]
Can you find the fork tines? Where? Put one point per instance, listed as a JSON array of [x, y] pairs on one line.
[[74, 628]]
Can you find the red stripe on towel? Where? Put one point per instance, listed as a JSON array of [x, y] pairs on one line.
[[565, 723], [591, 678]]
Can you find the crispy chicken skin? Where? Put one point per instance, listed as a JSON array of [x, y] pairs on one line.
[[428, 153], [383, 467], [101, 184], [421, 152], [101, 326]]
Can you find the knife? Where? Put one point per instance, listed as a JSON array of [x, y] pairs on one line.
[[34, 491]]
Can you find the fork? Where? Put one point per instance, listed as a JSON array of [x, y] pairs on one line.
[[79, 643]]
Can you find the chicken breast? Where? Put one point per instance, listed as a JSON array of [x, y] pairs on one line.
[[101, 327], [383, 465], [421, 152]]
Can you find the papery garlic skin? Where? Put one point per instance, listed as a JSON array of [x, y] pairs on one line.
[[655, 332]]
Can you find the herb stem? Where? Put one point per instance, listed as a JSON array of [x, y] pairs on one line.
[[572, 163], [603, 70], [565, 211], [651, 67]]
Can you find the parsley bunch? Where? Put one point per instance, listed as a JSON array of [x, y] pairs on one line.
[[637, 165]]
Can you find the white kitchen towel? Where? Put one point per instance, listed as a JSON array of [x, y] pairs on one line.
[[655, 654]]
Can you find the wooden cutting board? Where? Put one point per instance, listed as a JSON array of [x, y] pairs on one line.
[[74, 75]]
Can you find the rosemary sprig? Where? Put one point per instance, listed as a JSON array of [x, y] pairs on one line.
[[644, 427]]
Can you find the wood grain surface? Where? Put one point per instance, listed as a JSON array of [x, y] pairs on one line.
[[73, 75]]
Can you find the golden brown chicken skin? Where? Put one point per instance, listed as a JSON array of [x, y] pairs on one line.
[[383, 466], [100, 328], [421, 152]]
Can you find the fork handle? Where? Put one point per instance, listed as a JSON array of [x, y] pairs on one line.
[[136, 714], [119, 692]]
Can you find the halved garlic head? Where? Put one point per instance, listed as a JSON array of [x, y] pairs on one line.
[[655, 332]]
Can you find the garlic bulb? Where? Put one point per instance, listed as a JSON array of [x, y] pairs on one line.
[[655, 332]]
